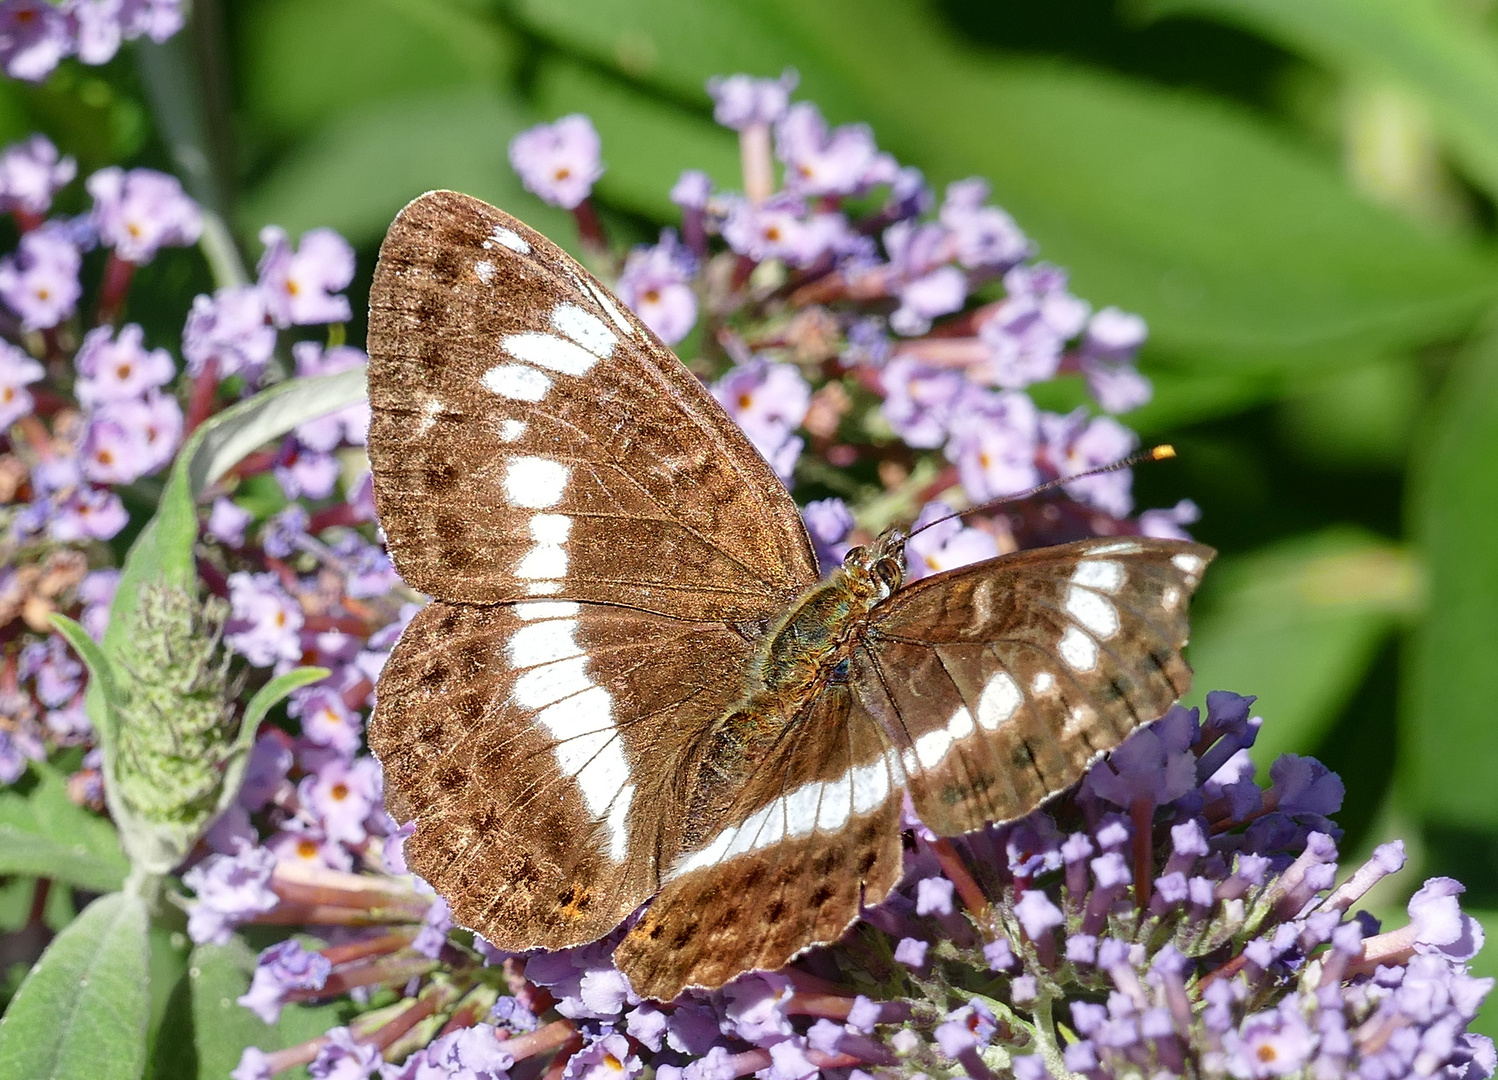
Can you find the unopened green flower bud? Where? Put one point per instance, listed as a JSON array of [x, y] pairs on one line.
[[177, 719]]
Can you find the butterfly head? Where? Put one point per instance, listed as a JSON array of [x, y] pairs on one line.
[[879, 568]]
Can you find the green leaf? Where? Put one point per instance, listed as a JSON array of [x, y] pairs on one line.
[[224, 440], [1434, 51], [1447, 719], [305, 63], [1360, 418], [1237, 246], [82, 1011], [265, 699], [1242, 250], [356, 173], [1297, 624], [677, 45], [100, 669], [170, 948], [222, 1028], [45, 834], [1485, 966]]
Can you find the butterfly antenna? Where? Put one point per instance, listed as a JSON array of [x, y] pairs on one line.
[[1155, 453]]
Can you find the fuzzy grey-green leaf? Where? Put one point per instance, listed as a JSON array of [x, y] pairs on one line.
[[81, 1013], [44, 833]]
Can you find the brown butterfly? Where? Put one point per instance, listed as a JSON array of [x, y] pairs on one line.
[[631, 682]]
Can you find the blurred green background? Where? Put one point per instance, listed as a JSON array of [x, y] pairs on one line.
[[1299, 196]]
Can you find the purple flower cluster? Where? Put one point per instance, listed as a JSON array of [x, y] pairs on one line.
[[35, 35], [233, 332], [135, 213], [559, 162], [849, 269], [123, 422], [1177, 919], [132, 427]]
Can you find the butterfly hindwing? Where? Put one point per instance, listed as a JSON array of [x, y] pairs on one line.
[[814, 833], [531, 438], [538, 746], [1001, 682]]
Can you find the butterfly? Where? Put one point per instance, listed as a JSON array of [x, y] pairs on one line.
[[632, 683]]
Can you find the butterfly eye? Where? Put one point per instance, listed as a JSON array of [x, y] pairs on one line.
[[856, 557], [888, 571]]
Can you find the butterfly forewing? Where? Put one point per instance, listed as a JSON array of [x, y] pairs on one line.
[[1001, 682], [531, 438]]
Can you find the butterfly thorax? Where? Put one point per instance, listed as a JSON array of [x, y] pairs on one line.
[[808, 649], [815, 636]]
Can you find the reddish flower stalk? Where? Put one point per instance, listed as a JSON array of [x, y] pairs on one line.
[[387, 971], [370, 947], [589, 227], [201, 398], [547, 1037], [433, 998], [558, 1064], [962, 880], [114, 289]]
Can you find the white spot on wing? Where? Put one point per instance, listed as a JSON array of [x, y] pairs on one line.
[[997, 702], [431, 408], [710, 855], [571, 708], [543, 588], [1189, 565], [1077, 649], [1094, 612], [511, 430], [1042, 682], [960, 726], [931, 747], [618, 823], [1103, 574], [837, 804], [1170, 598], [587, 747], [518, 382], [801, 809], [549, 351], [544, 561], [613, 312], [819, 805], [543, 642], [585, 328], [510, 239], [550, 683], [535, 482], [870, 786], [484, 271], [548, 559]]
